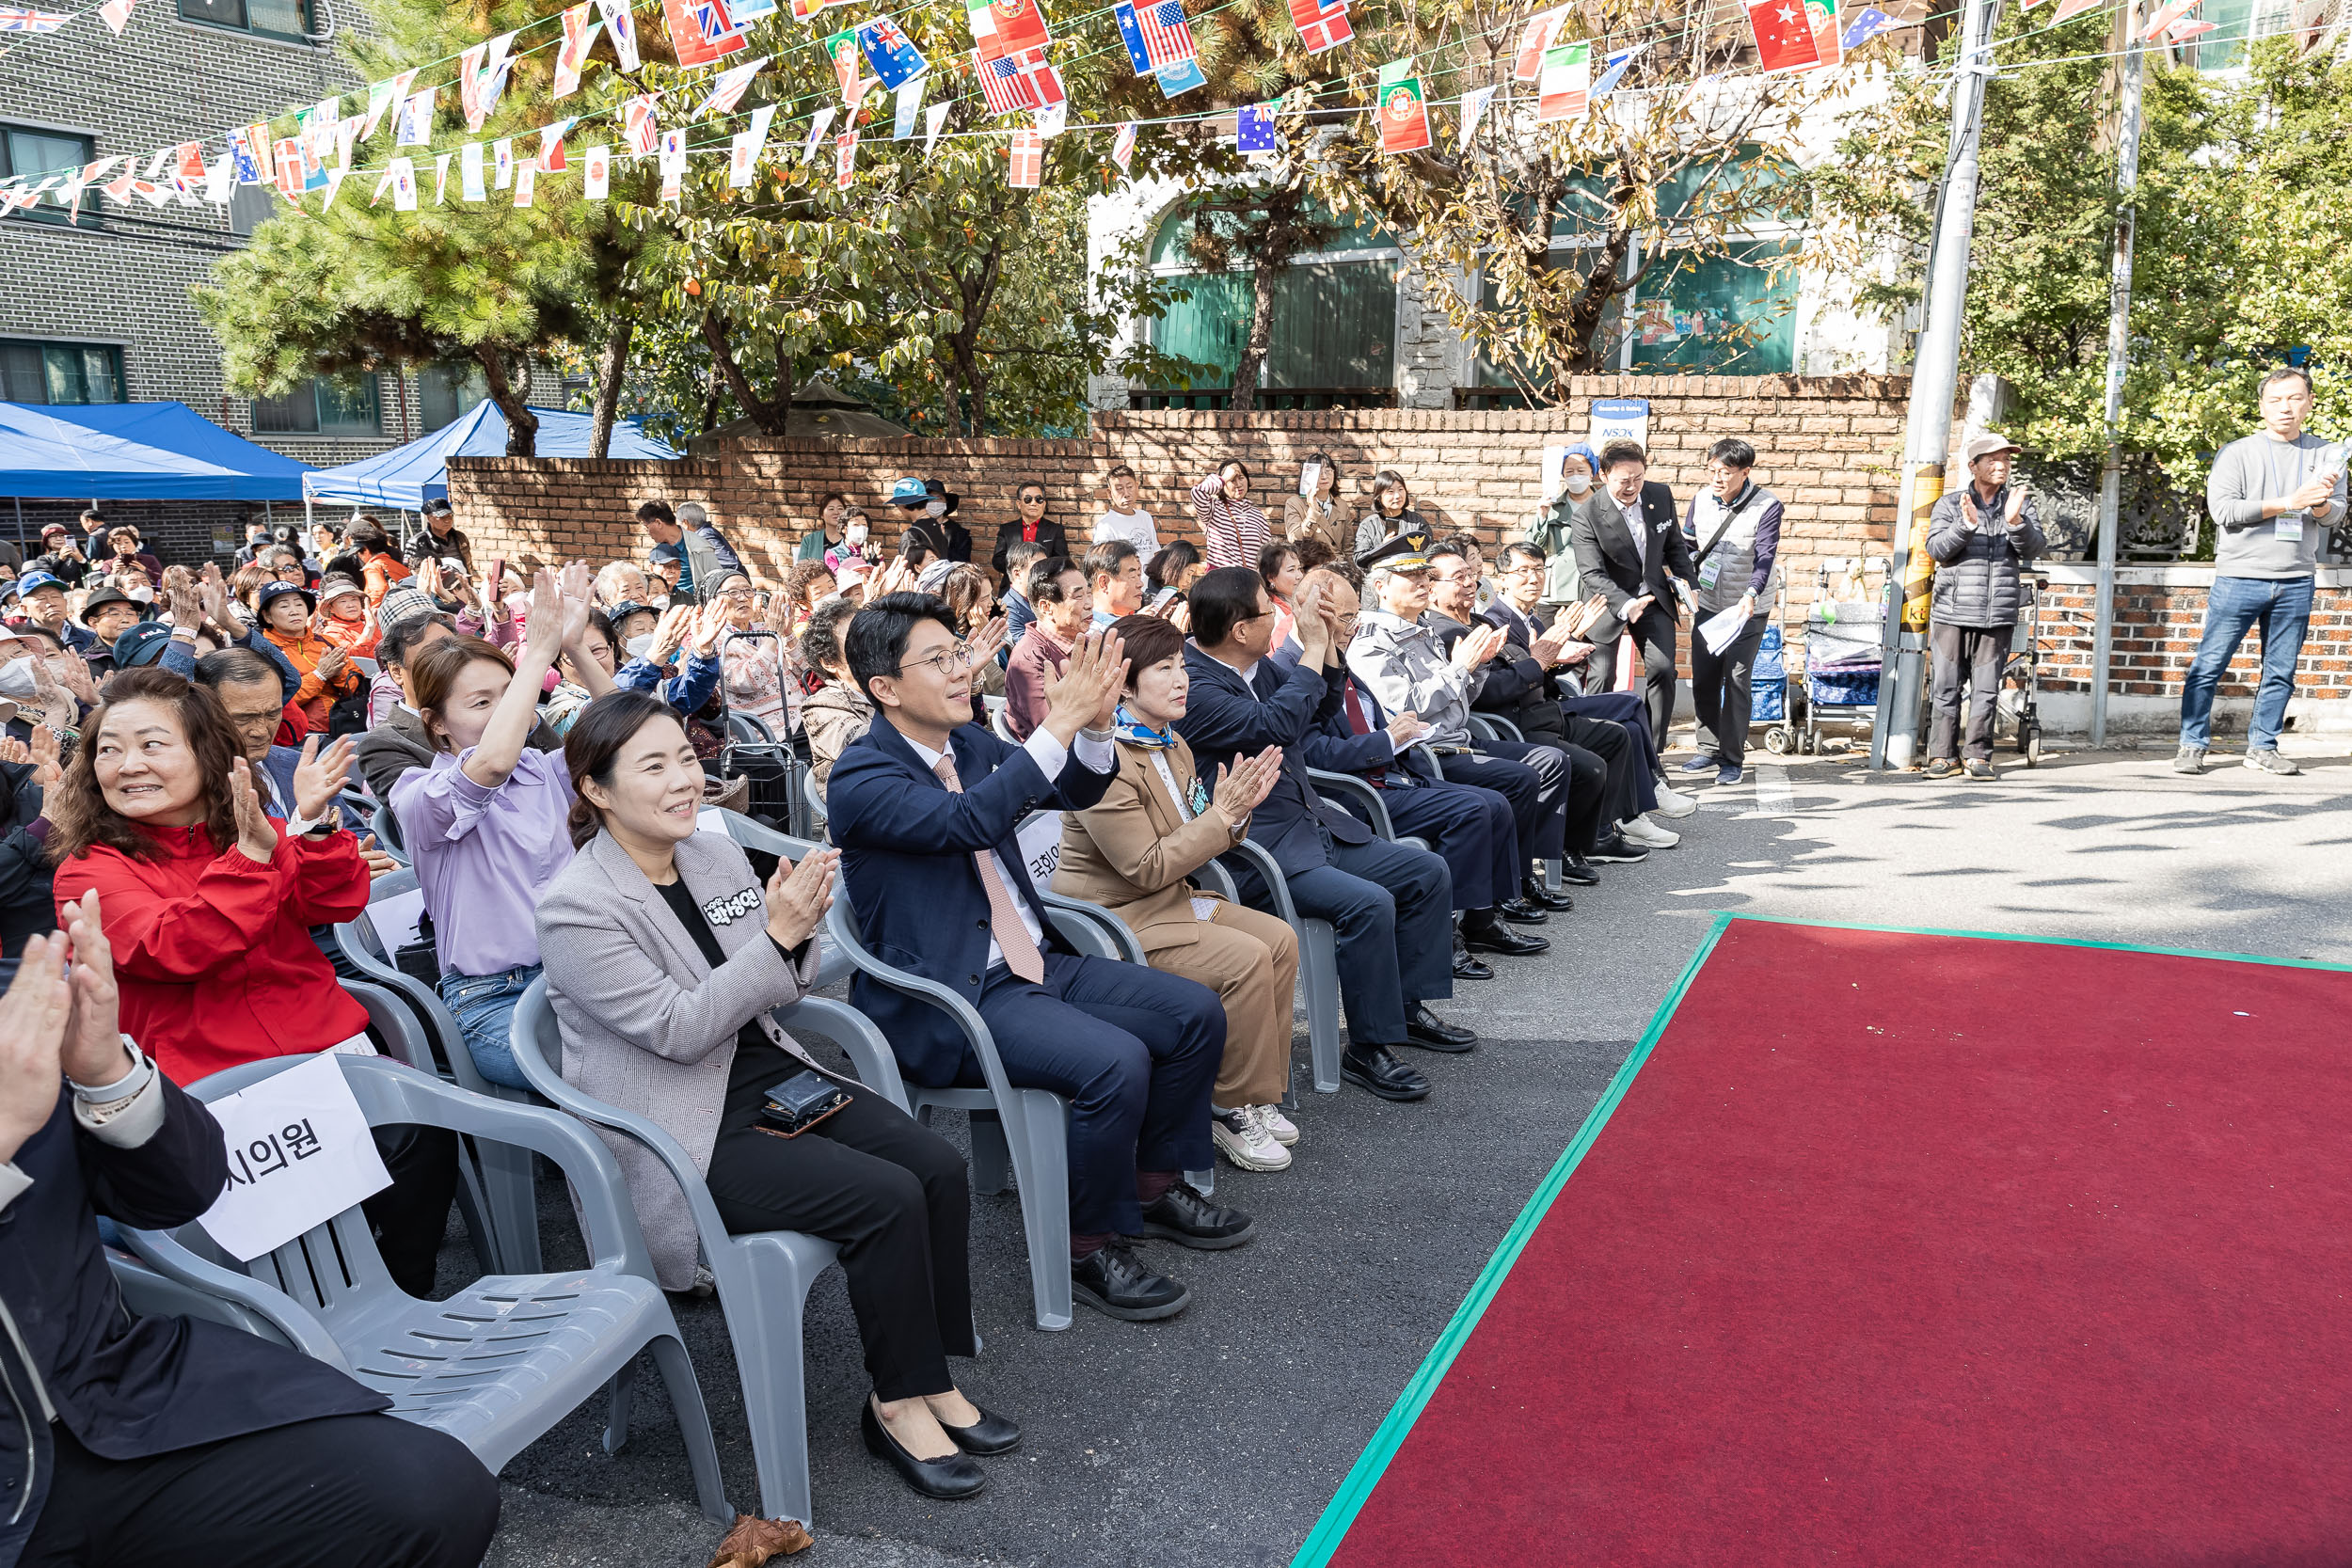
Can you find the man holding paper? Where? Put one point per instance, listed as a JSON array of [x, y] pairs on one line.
[[1981, 537], [2273, 496], [1733, 532]]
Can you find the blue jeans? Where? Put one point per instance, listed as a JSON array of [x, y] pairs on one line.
[[484, 1006], [2283, 607]]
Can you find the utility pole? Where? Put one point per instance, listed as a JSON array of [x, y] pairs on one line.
[[2118, 338], [1934, 378]]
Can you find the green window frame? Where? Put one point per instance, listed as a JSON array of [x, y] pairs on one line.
[[1676, 318], [35, 153], [325, 406], [36, 372]]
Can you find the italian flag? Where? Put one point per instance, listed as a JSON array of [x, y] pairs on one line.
[[1567, 81]]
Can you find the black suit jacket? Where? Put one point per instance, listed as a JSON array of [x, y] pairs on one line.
[[1612, 564], [1515, 686], [127, 1387], [1050, 533], [1335, 747], [1224, 721]]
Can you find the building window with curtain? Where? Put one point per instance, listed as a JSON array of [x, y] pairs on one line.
[[281, 19], [324, 405], [447, 393], [59, 373], [34, 153]]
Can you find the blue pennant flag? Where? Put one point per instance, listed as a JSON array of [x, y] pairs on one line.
[[1256, 127], [1608, 77], [1181, 76], [1868, 24], [1132, 31], [891, 53]]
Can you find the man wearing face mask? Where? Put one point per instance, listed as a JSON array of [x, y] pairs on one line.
[[929, 509], [857, 529]]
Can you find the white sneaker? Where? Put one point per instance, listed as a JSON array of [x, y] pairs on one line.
[[1244, 1142], [1278, 1126], [1674, 802], [1648, 834]]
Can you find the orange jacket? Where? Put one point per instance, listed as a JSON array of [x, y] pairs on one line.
[[317, 695]]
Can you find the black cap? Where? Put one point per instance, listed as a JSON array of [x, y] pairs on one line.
[[104, 597]]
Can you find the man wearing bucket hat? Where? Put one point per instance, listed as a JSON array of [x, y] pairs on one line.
[[108, 613], [1979, 537]]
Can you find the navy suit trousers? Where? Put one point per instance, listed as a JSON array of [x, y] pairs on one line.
[[1132, 1050], [1392, 913], [1476, 833]]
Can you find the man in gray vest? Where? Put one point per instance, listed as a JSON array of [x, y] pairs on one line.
[[2273, 496]]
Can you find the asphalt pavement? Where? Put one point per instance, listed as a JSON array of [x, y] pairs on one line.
[[1215, 1440]]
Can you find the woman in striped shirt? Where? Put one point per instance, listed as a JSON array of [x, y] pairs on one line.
[[1230, 523]]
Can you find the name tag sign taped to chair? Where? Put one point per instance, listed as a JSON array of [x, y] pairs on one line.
[[1620, 420], [396, 919], [299, 1153], [710, 819], [1041, 847]]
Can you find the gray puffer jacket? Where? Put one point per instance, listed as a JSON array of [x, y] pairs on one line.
[[1976, 563]]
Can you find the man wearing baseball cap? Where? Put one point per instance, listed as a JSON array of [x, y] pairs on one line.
[[1978, 536], [42, 596]]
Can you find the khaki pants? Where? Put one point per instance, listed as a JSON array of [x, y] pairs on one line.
[[1252, 961]]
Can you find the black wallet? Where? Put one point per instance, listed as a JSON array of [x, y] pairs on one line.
[[799, 1103]]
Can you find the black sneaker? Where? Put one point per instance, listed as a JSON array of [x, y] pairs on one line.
[[1617, 848], [1115, 1283], [1184, 1217]]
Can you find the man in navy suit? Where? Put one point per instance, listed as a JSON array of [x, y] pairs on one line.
[[926, 807], [1390, 907], [1473, 828], [1629, 548]]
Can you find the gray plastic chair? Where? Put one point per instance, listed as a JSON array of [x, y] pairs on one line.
[[149, 1294], [498, 1176], [763, 1277], [749, 729], [1031, 1136], [831, 966], [1318, 963], [1343, 788], [1489, 727], [813, 800], [998, 721], [387, 830], [503, 1360]]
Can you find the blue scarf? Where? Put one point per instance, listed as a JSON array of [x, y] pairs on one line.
[[1135, 731]]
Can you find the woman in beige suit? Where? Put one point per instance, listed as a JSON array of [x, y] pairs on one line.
[[663, 957], [1130, 853]]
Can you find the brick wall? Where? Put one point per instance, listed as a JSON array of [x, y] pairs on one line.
[[1829, 446]]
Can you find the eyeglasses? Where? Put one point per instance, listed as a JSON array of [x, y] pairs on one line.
[[951, 661]]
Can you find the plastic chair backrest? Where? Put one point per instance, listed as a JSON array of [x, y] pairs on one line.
[[387, 830], [1000, 720]]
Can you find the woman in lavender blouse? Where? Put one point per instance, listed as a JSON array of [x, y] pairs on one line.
[[485, 823]]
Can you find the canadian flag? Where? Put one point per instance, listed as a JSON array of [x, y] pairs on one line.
[[1783, 35], [1028, 166]]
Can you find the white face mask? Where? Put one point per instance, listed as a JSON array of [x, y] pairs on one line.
[[16, 679], [1579, 483], [854, 533], [144, 595], [936, 509], [640, 646]]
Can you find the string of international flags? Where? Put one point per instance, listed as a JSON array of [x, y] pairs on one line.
[[1009, 60]]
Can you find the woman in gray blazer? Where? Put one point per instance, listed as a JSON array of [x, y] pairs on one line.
[[663, 957]]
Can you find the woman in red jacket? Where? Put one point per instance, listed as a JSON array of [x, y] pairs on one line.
[[208, 904]]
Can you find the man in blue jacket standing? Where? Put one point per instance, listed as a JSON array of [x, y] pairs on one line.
[[926, 807]]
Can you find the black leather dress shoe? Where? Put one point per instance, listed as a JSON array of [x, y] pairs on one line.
[[1534, 892], [1113, 1282], [1373, 1069], [1184, 1217], [952, 1477], [1519, 911], [1580, 872], [1467, 966], [1495, 936], [991, 1433], [1431, 1033], [1617, 848]]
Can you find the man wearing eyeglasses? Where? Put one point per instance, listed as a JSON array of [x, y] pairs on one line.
[[926, 807]]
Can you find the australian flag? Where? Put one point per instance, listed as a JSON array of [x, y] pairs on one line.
[[891, 53], [1867, 25], [1130, 32]]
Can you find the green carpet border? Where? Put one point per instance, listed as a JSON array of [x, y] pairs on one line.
[[1324, 1538], [1372, 1463]]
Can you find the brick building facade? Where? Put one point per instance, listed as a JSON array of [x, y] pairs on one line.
[[1830, 447]]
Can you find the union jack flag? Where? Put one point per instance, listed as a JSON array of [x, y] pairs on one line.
[[16, 19], [1004, 84], [1166, 36]]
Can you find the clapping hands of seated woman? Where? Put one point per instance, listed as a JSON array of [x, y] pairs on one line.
[[798, 895], [1241, 788]]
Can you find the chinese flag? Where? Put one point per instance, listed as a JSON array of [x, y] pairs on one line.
[[686, 34], [1783, 35]]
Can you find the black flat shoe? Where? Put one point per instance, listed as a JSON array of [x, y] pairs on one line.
[[1431, 1033], [1116, 1284], [1184, 1217], [1373, 1070], [1499, 938], [1579, 872], [952, 1477], [1519, 911], [991, 1433], [1466, 967], [1533, 891]]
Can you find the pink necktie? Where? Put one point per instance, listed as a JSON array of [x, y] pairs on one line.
[[1004, 920]]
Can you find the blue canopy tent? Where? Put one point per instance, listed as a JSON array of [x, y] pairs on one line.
[[407, 477], [136, 451]]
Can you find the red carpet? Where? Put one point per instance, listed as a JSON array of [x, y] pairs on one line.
[[1920, 1249]]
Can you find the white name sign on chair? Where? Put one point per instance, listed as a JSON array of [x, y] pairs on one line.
[[299, 1153], [396, 919], [1040, 838]]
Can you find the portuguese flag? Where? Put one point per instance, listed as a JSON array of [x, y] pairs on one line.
[[1404, 108]]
